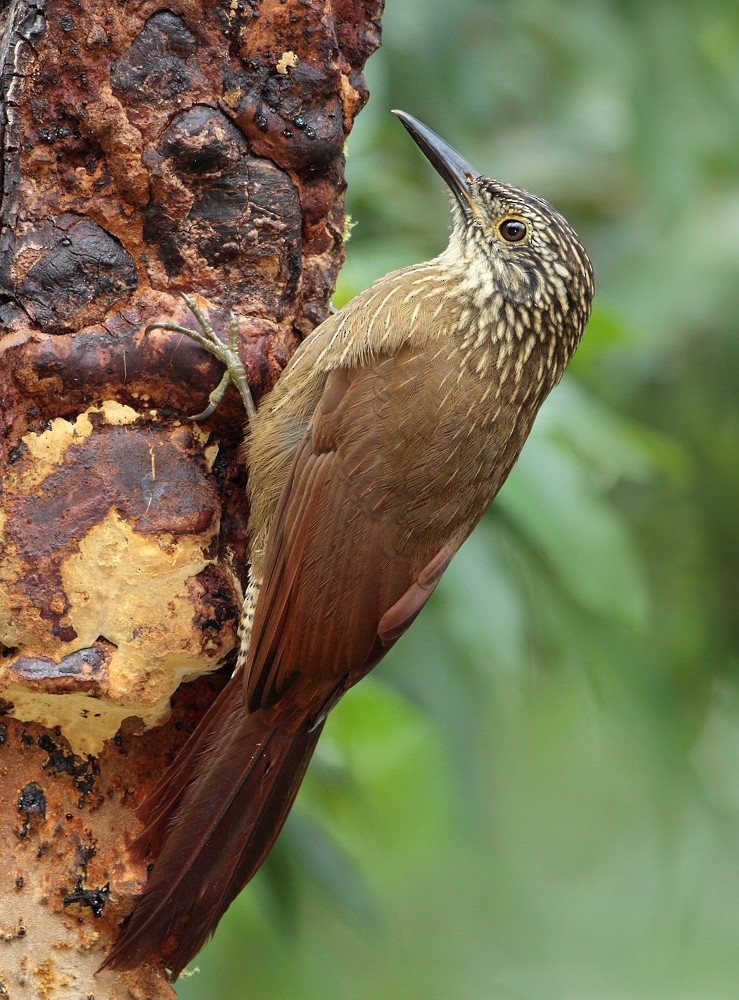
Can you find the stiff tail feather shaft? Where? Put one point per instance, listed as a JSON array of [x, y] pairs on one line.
[[217, 830]]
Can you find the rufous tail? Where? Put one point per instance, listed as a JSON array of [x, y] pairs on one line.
[[211, 822]]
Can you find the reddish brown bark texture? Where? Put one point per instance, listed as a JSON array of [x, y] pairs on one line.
[[146, 151]]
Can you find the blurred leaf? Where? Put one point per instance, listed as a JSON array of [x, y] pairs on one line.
[[390, 747], [550, 498], [611, 447], [327, 869]]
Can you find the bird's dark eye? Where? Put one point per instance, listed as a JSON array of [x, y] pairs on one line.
[[512, 230]]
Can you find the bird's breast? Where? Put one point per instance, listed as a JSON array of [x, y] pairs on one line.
[[425, 438]]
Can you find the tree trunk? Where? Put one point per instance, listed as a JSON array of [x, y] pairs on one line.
[[145, 152]]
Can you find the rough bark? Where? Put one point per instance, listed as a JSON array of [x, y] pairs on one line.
[[145, 151]]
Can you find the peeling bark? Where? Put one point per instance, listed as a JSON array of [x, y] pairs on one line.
[[144, 152]]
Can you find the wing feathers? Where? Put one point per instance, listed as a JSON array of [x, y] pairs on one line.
[[401, 615], [346, 567]]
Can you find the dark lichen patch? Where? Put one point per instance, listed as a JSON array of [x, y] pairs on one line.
[[84, 772], [32, 806], [95, 899]]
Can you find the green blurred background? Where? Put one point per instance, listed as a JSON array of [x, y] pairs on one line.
[[536, 795]]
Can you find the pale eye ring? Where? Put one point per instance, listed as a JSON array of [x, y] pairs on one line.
[[511, 229]]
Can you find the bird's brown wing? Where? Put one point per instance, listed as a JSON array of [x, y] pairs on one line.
[[389, 478], [343, 576]]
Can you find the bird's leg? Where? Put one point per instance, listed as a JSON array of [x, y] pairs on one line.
[[227, 354]]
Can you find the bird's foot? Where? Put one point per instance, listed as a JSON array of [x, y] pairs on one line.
[[227, 354]]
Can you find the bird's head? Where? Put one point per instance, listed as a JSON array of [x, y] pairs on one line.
[[511, 245]]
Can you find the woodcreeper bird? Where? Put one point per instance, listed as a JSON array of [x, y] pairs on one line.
[[378, 450]]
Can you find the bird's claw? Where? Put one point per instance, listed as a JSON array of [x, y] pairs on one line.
[[227, 354]]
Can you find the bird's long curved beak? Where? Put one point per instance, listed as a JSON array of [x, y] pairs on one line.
[[455, 170]]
